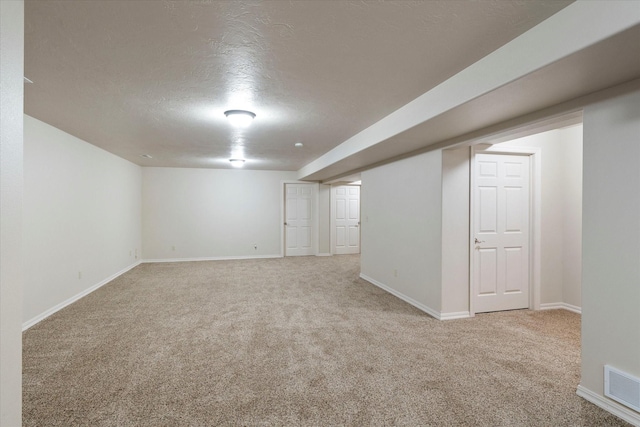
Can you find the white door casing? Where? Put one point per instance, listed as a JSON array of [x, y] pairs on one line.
[[345, 219], [501, 232], [299, 219]]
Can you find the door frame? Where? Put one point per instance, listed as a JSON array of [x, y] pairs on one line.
[[535, 215], [283, 207], [332, 219]]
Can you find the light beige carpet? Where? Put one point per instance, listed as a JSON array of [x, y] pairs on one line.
[[294, 341]]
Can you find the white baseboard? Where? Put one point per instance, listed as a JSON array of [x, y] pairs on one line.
[[221, 258], [562, 305], [324, 254], [29, 323], [610, 406], [455, 315], [431, 312]]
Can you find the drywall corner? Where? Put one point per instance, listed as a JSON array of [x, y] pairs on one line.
[[11, 194], [455, 231]]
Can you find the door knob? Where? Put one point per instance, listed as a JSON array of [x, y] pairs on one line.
[[479, 241]]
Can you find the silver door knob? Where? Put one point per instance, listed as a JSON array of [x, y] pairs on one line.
[[479, 241]]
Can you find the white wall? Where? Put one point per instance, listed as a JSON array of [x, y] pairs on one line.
[[455, 231], [571, 142], [401, 209], [611, 240], [11, 198], [401, 194], [211, 213], [324, 219], [561, 219], [82, 209]]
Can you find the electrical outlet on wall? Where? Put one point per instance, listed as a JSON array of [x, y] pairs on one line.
[[79, 274], [395, 272]]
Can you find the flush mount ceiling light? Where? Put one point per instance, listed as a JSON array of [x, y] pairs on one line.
[[237, 163], [240, 118], [298, 145]]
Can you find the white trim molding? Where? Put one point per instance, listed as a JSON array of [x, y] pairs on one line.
[[40, 317], [431, 312], [610, 406], [220, 258], [455, 315], [561, 305], [324, 254]]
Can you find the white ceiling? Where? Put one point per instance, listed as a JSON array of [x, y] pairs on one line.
[[154, 77]]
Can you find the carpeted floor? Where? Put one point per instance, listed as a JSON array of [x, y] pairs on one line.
[[294, 341]]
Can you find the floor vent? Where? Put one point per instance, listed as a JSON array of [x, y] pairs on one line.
[[622, 387]]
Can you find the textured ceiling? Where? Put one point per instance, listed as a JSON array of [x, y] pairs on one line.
[[154, 77]]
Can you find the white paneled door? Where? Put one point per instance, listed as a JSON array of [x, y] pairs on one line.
[[346, 219], [299, 219], [500, 239]]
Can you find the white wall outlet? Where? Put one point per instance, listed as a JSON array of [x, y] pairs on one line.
[[79, 274], [173, 248], [130, 253], [395, 272], [136, 253]]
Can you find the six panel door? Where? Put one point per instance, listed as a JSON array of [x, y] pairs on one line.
[[299, 211], [501, 232], [346, 219]]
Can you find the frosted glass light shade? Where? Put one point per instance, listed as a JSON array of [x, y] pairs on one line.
[[237, 163], [240, 118]]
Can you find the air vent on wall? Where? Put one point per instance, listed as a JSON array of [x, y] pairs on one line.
[[622, 387]]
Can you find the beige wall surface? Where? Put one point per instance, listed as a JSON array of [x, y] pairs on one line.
[[211, 213], [561, 239], [82, 208], [611, 240], [324, 219], [571, 141], [401, 215], [455, 230], [11, 194]]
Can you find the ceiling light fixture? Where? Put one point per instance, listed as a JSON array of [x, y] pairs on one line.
[[298, 145], [146, 156], [240, 118], [237, 163]]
